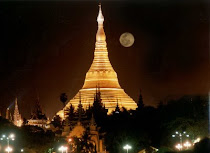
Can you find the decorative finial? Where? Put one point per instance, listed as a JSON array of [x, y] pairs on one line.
[[15, 101], [100, 17], [100, 35]]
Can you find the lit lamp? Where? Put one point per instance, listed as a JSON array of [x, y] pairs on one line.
[[127, 147], [179, 146], [187, 144], [70, 140], [8, 149], [12, 137], [62, 149], [180, 135]]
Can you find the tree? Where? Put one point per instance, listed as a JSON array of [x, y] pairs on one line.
[[36, 138], [87, 143], [57, 121], [83, 144], [140, 102], [98, 110], [63, 99], [71, 113], [203, 146]]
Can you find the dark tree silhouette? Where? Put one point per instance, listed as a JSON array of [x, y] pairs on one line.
[[83, 144], [63, 99], [140, 102], [203, 146], [98, 110], [71, 113], [57, 121]]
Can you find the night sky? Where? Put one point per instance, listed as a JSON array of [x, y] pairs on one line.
[[46, 48]]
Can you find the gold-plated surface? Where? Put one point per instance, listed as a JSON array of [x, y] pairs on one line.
[[102, 74]]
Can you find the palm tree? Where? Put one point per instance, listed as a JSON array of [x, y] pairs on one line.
[[87, 143], [84, 144], [63, 99]]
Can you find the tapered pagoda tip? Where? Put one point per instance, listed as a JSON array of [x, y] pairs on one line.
[[16, 101], [100, 17]]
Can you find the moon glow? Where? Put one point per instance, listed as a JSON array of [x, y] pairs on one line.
[[126, 39]]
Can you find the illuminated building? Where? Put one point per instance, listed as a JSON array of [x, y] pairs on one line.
[[102, 74], [7, 114], [80, 124], [38, 118], [17, 117]]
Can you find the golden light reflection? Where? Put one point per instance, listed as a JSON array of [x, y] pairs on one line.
[[102, 74]]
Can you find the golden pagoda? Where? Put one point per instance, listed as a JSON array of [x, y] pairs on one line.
[[101, 74], [17, 117]]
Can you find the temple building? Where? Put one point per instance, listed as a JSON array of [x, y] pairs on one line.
[[17, 117], [102, 74], [7, 114], [80, 125], [38, 118]]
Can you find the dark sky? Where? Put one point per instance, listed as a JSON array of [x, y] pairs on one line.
[[47, 48]]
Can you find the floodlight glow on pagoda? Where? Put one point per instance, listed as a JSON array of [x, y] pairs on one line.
[[101, 75], [17, 117], [197, 140]]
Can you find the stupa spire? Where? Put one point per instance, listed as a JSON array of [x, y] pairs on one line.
[[105, 76], [101, 73], [7, 113], [17, 117], [100, 17], [16, 105], [100, 35]]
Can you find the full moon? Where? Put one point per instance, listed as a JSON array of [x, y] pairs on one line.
[[127, 39]]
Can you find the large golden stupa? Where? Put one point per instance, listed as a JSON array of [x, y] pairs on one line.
[[101, 74]]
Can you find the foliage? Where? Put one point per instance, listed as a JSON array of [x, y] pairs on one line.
[[140, 102], [36, 138], [83, 144], [164, 150], [70, 112], [145, 127], [203, 146], [32, 138], [57, 121], [63, 98], [148, 126], [151, 126]]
